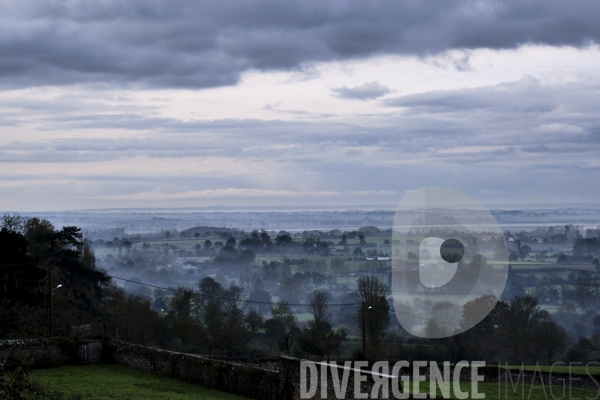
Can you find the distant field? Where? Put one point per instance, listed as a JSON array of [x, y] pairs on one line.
[[302, 317], [116, 382], [527, 267]]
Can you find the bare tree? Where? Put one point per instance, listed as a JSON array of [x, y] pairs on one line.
[[369, 288], [372, 294], [319, 338], [318, 304], [320, 266], [15, 222], [337, 265]]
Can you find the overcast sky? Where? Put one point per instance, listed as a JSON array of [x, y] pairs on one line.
[[189, 103]]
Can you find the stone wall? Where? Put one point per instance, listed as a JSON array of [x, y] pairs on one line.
[[270, 363], [43, 353], [290, 372], [258, 379], [232, 377]]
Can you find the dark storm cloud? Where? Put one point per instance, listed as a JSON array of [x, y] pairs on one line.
[[207, 44], [367, 91]]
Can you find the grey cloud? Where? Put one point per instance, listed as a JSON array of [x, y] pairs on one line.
[[366, 91], [272, 106], [206, 44], [525, 111], [542, 148], [487, 125], [486, 116], [526, 95], [460, 62], [483, 142]]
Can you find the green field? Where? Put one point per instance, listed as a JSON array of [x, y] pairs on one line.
[[103, 382], [561, 369], [108, 382], [493, 391]]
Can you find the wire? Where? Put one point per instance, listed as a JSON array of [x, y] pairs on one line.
[[227, 298], [330, 304], [352, 304]]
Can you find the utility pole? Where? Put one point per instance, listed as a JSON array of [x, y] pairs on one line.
[[50, 289], [50, 295], [364, 328]]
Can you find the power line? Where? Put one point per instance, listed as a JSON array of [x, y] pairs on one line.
[[331, 304], [226, 298], [353, 304]]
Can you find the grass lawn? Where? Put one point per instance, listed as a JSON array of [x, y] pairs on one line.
[[104, 382], [537, 393]]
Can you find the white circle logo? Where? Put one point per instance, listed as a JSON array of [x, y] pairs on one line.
[[448, 251]]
